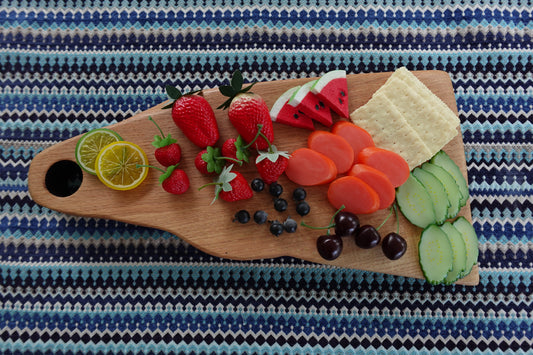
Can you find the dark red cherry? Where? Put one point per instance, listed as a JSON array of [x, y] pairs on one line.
[[346, 224], [367, 237], [394, 246], [329, 246]]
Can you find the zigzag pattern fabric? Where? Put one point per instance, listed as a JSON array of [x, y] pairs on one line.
[[71, 285]]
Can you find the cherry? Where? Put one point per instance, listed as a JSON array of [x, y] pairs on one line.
[[367, 237], [394, 246], [329, 246], [346, 223]]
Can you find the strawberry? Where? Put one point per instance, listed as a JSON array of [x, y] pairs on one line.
[[173, 180], [246, 111], [167, 152], [236, 149], [271, 164], [231, 186], [194, 116], [210, 161]]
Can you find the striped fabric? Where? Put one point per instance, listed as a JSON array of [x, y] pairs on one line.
[[80, 285]]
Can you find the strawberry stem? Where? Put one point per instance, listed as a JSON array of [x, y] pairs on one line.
[[149, 166], [159, 128]]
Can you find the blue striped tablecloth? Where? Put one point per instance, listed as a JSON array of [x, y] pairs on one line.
[[81, 285]]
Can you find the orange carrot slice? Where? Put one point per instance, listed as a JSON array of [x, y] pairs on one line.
[[308, 167], [355, 194], [386, 161], [376, 180], [356, 136], [334, 147]]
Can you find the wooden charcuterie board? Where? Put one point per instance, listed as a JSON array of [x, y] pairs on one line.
[[210, 228]]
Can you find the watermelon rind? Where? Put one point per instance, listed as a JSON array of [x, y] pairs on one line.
[[301, 93], [326, 78], [281, 101]]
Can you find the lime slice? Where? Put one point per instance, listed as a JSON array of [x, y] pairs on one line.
[[116, 165], [90, 144]]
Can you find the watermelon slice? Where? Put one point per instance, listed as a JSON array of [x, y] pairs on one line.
[[307, 102], [332, 88], [284, 113]]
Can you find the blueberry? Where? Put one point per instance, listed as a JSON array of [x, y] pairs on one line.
[[242, 217], [280, 204], [290, 225], [260, 217], [303, 208], [299, 194], [276, 228], [275, 189], [257, 185]]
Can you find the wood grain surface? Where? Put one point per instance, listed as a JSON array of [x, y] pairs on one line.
[[210, 228]]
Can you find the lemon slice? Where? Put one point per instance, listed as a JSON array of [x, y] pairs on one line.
[[90, 144], [116, 165]]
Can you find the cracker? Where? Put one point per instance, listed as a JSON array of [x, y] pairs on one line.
[[390, 130]]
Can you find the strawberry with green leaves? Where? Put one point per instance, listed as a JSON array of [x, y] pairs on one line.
[[194, 116], [211, 160], [271, 164], [168, 151], [173, 180], [236, 148], [246, 111], [230, 186]]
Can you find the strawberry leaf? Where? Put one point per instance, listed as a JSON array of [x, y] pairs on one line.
[[173, 92], [167, 173], [213, 159], [236, 81], [242, 152], [272, 154]]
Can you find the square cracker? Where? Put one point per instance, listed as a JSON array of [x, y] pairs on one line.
[[390, 130], [423, 114]]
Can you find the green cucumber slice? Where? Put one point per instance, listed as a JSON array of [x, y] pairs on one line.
[[449, 185], [444, 161], [471, 243], [436, 191], [459, 252], [415, 203], [435, 254]]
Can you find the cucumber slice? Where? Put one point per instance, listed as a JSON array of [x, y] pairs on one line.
[[459, 252], [436, 191], [444, 161], [435, 254], [414, 202], [471, 243], [449, 185]]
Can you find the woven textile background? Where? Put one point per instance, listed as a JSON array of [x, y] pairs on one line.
[[81, 285]]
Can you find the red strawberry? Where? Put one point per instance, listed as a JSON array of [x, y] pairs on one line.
[[231, 186], [168, 152], [177, 182], [173, 180], [194, 116], [271, 164], [236, 149], [210, 161], [247, 111]]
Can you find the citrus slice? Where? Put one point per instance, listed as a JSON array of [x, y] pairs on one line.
[[90, 144], [116, 165]]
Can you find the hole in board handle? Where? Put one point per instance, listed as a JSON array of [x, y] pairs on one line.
[[63, 178]]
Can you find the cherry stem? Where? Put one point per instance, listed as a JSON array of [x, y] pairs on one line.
[[331, 224], [397, 219], [159, 128], [386, 219], [150, 166]]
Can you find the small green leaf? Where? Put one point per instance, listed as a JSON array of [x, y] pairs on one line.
[[226, 90], [172, 92], [236, 81]]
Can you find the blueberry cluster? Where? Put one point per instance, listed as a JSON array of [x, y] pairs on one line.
[[280, 204]]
